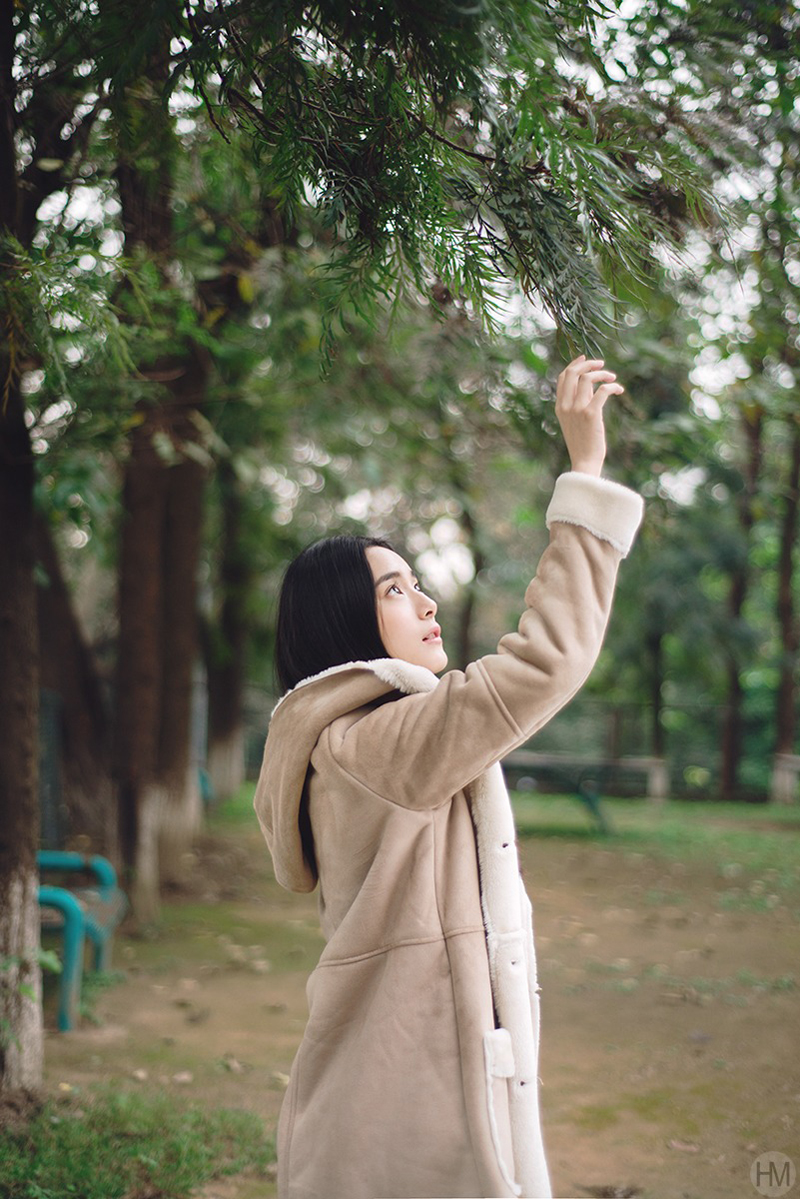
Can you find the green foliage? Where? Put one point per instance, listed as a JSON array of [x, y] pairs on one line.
[[115, 1144], [93, 984], [10, 964], [462, 145], [48, 301]]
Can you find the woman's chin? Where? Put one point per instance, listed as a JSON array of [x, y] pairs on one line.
[[440, 659], [432, 657]]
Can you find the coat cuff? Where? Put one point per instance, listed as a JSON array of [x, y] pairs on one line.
[[607, 509]]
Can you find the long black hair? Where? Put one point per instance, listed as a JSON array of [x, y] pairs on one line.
[[327, 612]]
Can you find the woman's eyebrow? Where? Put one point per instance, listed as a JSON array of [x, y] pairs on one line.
[[395, 574], [390, 574]]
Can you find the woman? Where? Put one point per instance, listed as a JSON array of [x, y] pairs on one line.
[[417, 1074]]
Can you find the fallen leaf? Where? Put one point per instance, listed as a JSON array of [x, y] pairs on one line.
[[684, 1146], [198, 1015]]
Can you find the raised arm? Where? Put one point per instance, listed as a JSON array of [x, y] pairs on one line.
[[421, 748]]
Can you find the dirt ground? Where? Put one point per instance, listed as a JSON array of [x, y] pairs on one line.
[[670, 1019]]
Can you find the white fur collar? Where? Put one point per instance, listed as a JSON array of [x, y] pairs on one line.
[[402, 676]]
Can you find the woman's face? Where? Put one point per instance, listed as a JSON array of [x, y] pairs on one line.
[[406, 615]]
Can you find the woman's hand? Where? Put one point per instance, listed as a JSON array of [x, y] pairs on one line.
[[579, 409]]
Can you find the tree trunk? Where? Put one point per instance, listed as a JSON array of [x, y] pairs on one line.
[[786, 699], [159, 793], [466, 620], [159, 789], [466, 617], [786, 720], [21, 1038], [226, 646], [733, 725], [226, 759], [139, 670], [21, 1032], [181, 814], [732, 722], [21, 1045], [655, 653], [67, 668]]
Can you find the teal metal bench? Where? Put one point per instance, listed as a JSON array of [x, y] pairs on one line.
[[585, 783], [586, 777], [80, 913]]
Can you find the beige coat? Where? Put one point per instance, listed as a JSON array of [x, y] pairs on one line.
[[417, 1074]]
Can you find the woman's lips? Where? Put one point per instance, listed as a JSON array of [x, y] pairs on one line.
[[434, 636]]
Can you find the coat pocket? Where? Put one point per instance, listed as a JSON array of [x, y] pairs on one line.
[[498, 1056]]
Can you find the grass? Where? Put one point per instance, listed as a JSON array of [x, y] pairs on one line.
[[193, 934], [753, 848], [663, 1106], [236, 812], [746, 980], [121, 1145]]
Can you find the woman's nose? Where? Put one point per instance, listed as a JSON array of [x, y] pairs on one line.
[[429, 606]]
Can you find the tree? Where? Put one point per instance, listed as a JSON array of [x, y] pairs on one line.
[[54, 133]]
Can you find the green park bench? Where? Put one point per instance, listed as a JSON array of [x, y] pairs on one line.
[[79, 913], [586, 777]]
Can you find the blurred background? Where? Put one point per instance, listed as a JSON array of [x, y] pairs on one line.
[[270, 272]]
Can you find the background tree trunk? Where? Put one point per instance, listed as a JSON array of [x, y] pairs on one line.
[[226, 646], [160, 805], [159, 793], [181, 814], [466, 616], [786, 698], [68, 669], [138, 707], [655, 657], [733, 731]]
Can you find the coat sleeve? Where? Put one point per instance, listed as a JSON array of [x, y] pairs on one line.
[[419, 750]]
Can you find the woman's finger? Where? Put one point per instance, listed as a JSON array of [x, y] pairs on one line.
[[579, 388], [577, 367], [604, 391], [587, 381]]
